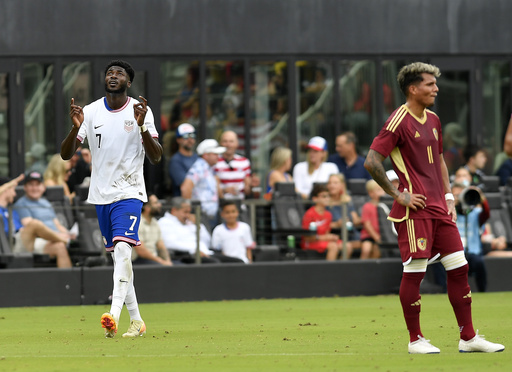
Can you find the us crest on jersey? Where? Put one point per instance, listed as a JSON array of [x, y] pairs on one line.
[[129, 125]]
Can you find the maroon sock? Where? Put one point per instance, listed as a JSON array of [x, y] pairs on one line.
[[411, 303], [459, 294]]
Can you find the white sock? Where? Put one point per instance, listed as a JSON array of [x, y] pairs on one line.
[[131, 302], [122, 277]]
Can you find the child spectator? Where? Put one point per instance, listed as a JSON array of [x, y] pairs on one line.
[[319, 219], [233, 238], [370, 234]]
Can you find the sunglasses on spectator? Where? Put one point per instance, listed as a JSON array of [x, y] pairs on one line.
[[189, 135]]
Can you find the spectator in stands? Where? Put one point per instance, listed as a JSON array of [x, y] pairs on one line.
[[505, 171], [37, 157], [507, 142], [370, 233], [315, 169], [470, 219], [152, 248], [233, 170], [462, 176], [318, 218], [8, 184], [183, 159], [36, 226], [494, 246], [475, 158], [80, 166], [348, 161], [179, 232], [233, 238], [338, 194], [280, 164], [57, 173], [200, 182]]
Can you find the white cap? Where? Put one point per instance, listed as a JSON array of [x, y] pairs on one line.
[[391, 174], [185, 128], [318, 143], [210, 146]]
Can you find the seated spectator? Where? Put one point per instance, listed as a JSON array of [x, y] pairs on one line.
[[348, 161], [494, 246], [315, 169], [280, 164], [233, 238], [505, 171], [200, 182], [338, 194], [152, 248], [179, 232], [183, 159], [462, 176], [475, 158], [57, 174], [32, 234], [233, 170], [318, 218], [80, 168], [470, 218], [370, 233]]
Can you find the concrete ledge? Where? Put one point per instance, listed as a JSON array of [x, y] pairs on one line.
[[52, 287]]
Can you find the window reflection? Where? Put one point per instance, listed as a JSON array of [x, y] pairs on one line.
[[315, 102], [38, 83], [496, 105], [4, 125], [269, 112], [358, 104]]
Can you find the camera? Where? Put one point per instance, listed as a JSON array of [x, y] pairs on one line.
[[469, 198]]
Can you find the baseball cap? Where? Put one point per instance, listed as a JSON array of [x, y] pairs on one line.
[[209, 146], [33, 176], [185, 128], [317, 143]]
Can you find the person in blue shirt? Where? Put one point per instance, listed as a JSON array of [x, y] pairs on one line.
[[184, 158], [349, 162]]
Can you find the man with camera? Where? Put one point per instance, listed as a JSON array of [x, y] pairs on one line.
[[472, 213]]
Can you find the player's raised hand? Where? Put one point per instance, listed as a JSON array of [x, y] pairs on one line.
[[139, 110], [413, 201], [76, 114]]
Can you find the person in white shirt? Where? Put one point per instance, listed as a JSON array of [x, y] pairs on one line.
[[179, 232], [315, 169], [121, 132], [233, 238]]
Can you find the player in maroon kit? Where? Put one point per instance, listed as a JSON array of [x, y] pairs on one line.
[[424, 208]]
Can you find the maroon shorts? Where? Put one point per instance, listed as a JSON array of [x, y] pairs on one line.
[[426, 238]]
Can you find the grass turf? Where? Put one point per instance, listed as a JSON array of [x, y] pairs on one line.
[[320, 334]]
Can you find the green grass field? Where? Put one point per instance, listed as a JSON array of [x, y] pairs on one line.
[[320, 334]]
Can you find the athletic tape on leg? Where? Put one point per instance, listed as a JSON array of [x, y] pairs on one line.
[[416, 266], [454, 261]]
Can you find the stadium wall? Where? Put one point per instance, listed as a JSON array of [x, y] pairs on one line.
[[253, 27], [88, 286]]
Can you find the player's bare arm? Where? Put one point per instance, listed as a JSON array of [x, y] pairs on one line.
[[450, 204], [507, 143], [373, 165], [70, 143], [153, 148]]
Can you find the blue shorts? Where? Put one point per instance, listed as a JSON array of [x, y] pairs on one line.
[[120, 221]]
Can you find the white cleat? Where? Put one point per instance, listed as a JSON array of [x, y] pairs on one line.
[[479, 344], [422, 346]]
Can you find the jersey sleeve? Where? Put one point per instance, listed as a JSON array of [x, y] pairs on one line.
[[247, 236], [149, 122], [82, 132]]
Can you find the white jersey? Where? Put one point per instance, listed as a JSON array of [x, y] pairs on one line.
[[117, 152], [235, 242]]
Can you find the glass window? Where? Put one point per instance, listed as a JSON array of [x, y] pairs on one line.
[[496, 104], [4, 125], [225, 99], [358, 103], [269, 112], [77, 84], [38, 83], [179, 100], [315, 116]]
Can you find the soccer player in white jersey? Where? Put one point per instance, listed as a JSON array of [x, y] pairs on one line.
[[121, 132]]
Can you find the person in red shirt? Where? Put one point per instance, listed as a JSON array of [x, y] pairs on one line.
[[423, 210], [370, 233], [319, 218]]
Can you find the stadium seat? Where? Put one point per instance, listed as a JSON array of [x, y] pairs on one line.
[[357, 186], [389, 240]]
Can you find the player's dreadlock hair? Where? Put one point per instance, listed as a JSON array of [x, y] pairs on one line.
[[127, 67], [411, 74]]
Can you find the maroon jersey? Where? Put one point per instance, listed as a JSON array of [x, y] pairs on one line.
[[414, 146]]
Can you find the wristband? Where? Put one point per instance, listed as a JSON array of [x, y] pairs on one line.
[[143, 128], [448, 196]]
